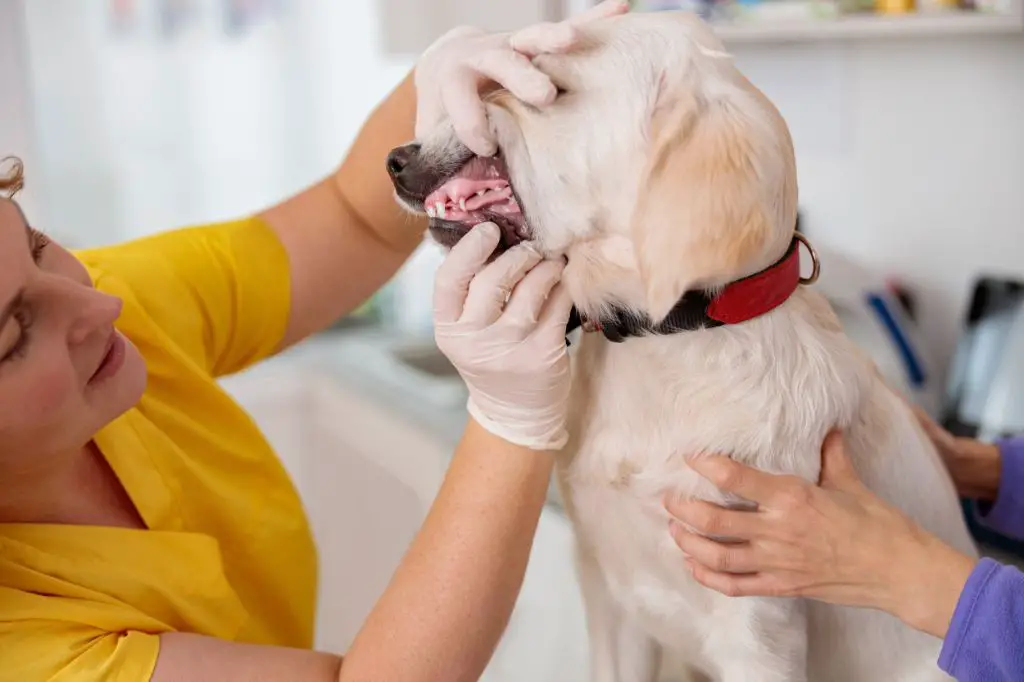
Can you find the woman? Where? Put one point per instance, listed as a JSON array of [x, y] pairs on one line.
[[147, 531], [839, 543]]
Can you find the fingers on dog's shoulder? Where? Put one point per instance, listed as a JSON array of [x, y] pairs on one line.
[[732, 476]]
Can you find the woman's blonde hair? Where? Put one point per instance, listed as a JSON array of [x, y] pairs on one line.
[[12, 176]]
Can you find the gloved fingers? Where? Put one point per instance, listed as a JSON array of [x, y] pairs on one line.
[[550, 37], [491, 288], [454, 275], [461, 100], [518, 75], [555, 315], [608, 8], [544, 38], [527, 301]]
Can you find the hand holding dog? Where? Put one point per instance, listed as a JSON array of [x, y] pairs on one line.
[[836, 542], [502, 324]]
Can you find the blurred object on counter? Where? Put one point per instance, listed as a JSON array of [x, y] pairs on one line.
[[241, 16], [769, 12], [895, 6], [175, 16], [123, 15], [985, 390], [876, 312]]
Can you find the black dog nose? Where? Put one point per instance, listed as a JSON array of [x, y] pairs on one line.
[[400, 158]]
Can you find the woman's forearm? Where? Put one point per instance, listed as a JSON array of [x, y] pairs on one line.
[[345, 236], [997, 473], [976, 469], [924, 583], [362, 180], [446, 607]]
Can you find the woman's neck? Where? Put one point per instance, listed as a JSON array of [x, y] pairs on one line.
[[77, 488]]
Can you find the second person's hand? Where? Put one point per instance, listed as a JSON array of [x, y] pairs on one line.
[[976, 467], [837, 542], [502, 325]]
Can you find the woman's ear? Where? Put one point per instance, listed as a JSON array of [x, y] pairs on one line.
[[703, 213]]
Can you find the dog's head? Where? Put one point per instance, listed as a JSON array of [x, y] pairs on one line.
[[658, 169]]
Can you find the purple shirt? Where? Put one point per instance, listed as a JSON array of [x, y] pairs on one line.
[[985, 641]]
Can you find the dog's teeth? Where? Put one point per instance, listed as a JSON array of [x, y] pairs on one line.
[[481, 193], [440, 209], [431, 212], [462, 203]]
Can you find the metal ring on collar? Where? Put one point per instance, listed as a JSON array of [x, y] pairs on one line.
[[815, 263]]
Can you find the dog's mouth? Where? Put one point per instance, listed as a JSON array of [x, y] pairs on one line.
[[480, 191]]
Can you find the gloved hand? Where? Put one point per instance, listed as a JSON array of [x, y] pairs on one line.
[[502, 325], [450, 74]]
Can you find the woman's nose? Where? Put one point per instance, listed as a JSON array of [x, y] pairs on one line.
[[95, 312]]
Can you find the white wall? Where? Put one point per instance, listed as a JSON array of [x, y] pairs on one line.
[[15, 105], [911, 157], [140, 133]]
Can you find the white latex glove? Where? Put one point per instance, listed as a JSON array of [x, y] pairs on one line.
[[452, 71], [512, 354]]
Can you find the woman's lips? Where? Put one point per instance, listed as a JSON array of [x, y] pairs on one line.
[[112, 360]]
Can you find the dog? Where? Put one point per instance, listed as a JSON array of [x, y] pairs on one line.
[[668, 181]]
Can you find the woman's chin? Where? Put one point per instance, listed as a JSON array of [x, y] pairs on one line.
[[122, 391]]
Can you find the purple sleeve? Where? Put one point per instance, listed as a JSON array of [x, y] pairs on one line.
[[985, 642], [1006, 515]]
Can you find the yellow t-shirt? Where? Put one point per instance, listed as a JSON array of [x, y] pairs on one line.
[[228, 552]]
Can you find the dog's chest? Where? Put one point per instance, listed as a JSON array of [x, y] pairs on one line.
[[640, 408]]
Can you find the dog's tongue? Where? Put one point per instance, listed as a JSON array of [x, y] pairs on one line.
[[475, 193], [481, 184]]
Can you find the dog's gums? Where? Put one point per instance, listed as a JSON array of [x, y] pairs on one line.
[[478, 192], [480, 184]]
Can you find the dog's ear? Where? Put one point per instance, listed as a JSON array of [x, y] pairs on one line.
[[701, 216]]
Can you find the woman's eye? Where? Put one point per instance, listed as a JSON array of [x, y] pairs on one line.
[[17, 349]]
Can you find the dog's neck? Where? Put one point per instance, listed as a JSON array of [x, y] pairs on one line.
[[739, 301]]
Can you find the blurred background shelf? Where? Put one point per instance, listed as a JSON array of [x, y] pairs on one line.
[[854, 27]]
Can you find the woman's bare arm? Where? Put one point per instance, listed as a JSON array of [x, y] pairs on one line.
[[441, 617], [447, 605], [346, 236]]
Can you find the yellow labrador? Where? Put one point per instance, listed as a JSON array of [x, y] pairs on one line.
[[669, 182]]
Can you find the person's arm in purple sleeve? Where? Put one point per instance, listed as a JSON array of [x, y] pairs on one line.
[[985, 640]]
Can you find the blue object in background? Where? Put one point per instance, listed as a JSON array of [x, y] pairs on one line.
[[890, 319]]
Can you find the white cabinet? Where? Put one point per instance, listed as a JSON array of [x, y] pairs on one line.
[[367, 475]]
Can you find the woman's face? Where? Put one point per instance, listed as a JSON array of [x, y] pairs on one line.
[[65, 372]]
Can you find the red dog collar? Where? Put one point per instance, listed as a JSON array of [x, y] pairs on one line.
[[738, 302]]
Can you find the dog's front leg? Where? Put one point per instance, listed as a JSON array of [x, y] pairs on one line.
[[759, 639], [620, 650]]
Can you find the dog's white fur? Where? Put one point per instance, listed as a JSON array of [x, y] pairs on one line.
[[659, 170]]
